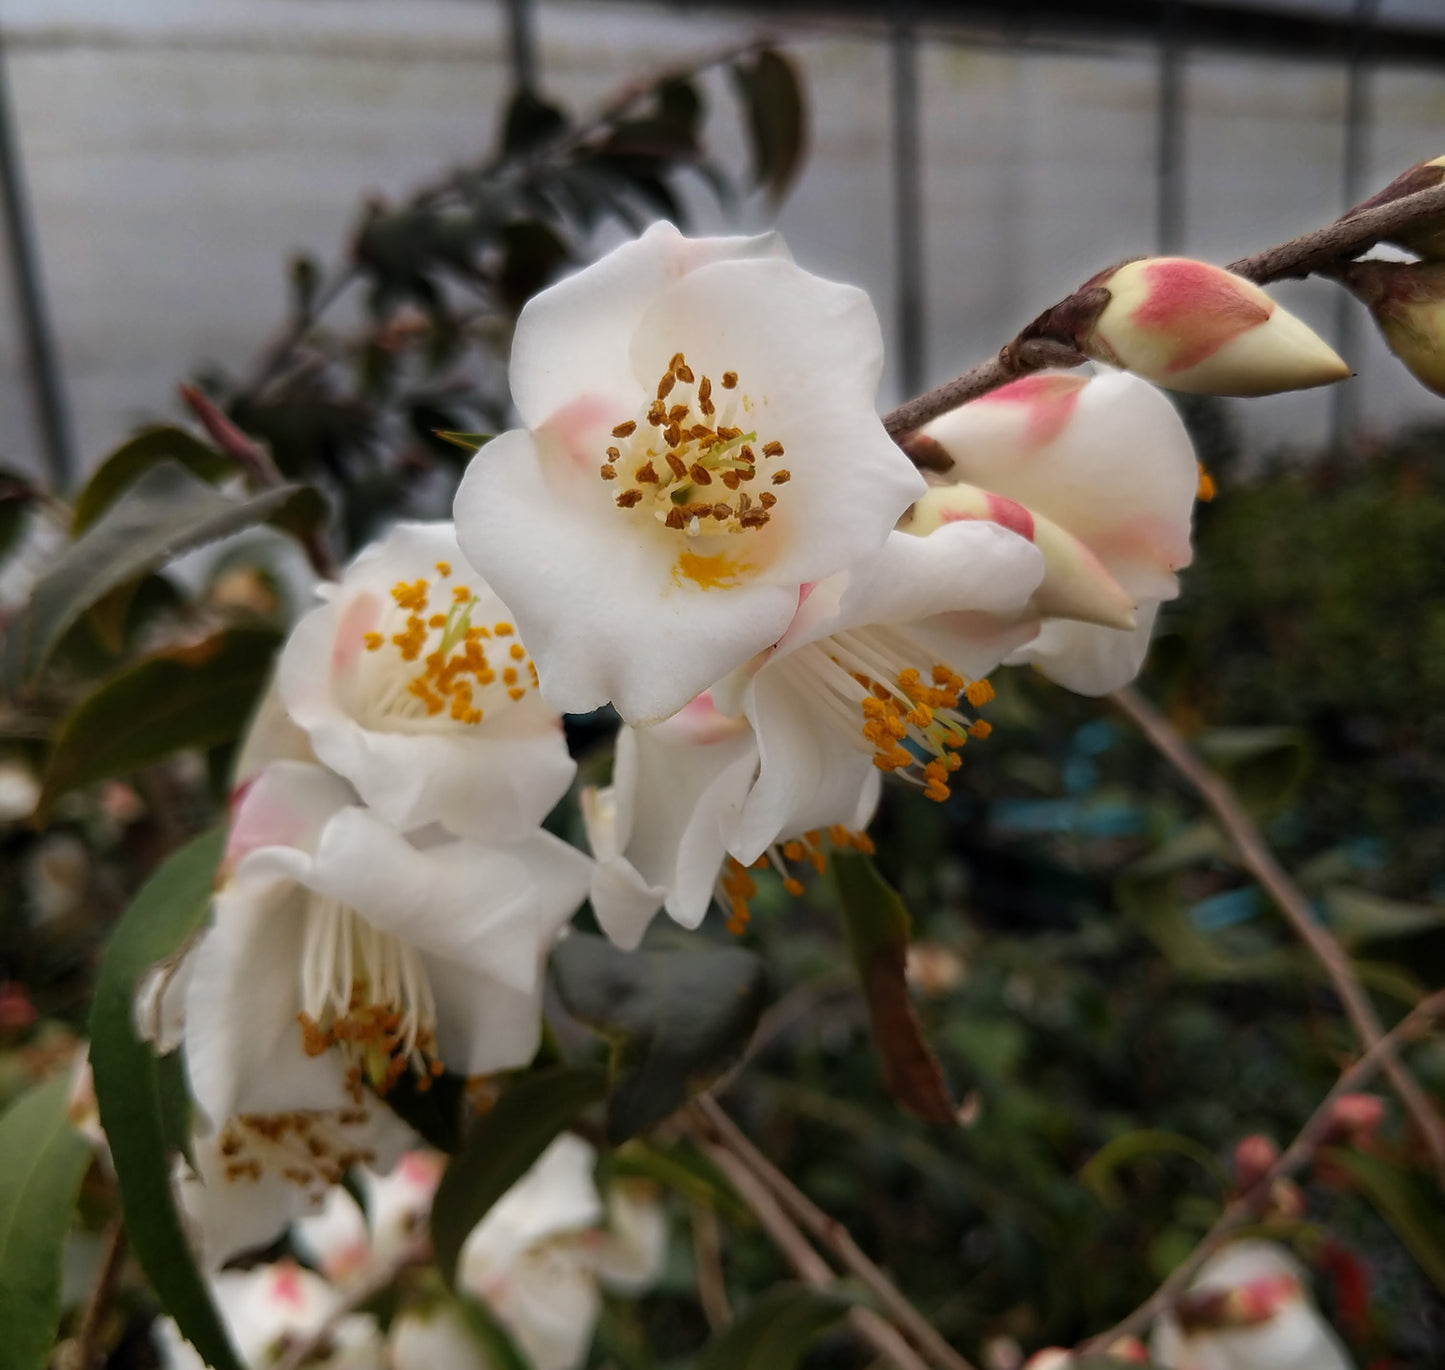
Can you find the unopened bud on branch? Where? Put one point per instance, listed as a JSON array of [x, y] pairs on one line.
[[1428, 239], [1355, 1119], [1191, 326], [1408, 302], [1253, 1156], [1075, 583]]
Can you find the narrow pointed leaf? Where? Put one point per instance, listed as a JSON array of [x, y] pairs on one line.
[[134, 457]]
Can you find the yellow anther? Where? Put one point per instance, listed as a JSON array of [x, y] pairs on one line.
[[1206, 490], [516, 693], [793, 886], [437, 621], [444, 569], [503, 629], [980, 729], [793, 851], [729, 380], [625, 430], [609, 472], [772, 449], [373, 641], [509, 676], [517, 651], [978, 693]]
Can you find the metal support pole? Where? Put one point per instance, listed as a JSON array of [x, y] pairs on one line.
[[42, 359], [523, 44], [1345, 397], [907, 205], [1169, 150]]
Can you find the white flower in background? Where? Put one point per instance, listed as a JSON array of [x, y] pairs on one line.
[[881, 668], [1248, 1309], [700, 444], [411, 683], [1101, 473], [19, 790], [663, 829], [347, 1244], [270, 1306]]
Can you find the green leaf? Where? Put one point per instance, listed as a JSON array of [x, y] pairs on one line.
[[42, 1162], [775, 1331], [1264, 765], [134, 457], [468, 442], [16, 497], [1359, 916], [776, 119], [1099, 1172], [877, 924], [1406, 1200], [196, 696], [166, 512], [683, 1169], [675, 1020], [140, 1095], [502, 1146]]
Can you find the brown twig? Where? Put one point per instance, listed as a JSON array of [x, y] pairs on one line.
[[1316, 251], [278, 352], [256, 461], [712, 1291], [1249, 1205], [86, 1351], [810, 1267], [1257, 858], [297, 1353], [833, 1235]]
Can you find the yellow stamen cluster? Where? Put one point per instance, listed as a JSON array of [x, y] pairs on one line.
[[736, 885], [308, 1149], [373, 1036], [673, 461], [456, 667], [927, 714]]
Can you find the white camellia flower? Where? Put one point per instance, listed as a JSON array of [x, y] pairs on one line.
[[410, 682], [662, 831], [1248, 1309], [699, 445], [343, 955], [267, 1307], [880, 668], [1100, 472]]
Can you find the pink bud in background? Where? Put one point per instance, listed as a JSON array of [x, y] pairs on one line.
[[1355, 1119], [1130, 1350], [1253, 1156], [1051, 1358], [1408, 302], [1191, 326], [16, 1011]]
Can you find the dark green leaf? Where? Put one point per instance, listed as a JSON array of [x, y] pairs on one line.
[[878, 927], [138, 1093], [529, 123], [776, 119], [675, 1019], [501, 1147], [1099, 1173], [775, 1331], [133, 458], [16, 497], [1406, 1200], [532, 255], [1265, 765], [196, 696], [167, 511], [681, 1168], [42, 1162], [437, 1112]]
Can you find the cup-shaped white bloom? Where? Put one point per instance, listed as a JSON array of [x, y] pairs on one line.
[[410, 682], [344, 954], [1195, 327], [879, 670], [1103, 461], [700, 443], [1248, 1309], [267, 1307]]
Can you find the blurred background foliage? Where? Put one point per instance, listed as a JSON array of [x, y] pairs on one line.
[[1113, 1000]]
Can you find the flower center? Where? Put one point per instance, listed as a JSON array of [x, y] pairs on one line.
[[910, 717], [685, 463], [460, 679], [311, 1149], [368, 993]]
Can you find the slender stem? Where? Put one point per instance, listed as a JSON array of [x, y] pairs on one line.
[[712, 1291], [278, 353], [86, 1349], [1249, 1205], [810, 1267], [1318, 251], [1261, 863], [834, 1236]]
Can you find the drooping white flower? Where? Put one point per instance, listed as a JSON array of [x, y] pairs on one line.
[[699, 444], [1249, 1308], [663, 830], [411, 683], [267, 1307], [343, 955], [880, 670], [1100, 472], [538, 1255]]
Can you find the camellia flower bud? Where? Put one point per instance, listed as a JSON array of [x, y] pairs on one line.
[[1408, 302], [1355, 1119], [1428, 239], [1253, 1156], [1191, 326]]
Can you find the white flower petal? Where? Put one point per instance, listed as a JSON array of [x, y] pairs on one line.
[[1086, 658]]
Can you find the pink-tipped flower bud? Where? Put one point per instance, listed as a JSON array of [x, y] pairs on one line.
[[1075, 583], [1355, 1120], [1428, 239], [1408, 302], [1191, 326], [1051, 1358], [1130, 1350], [1253, 1156]]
